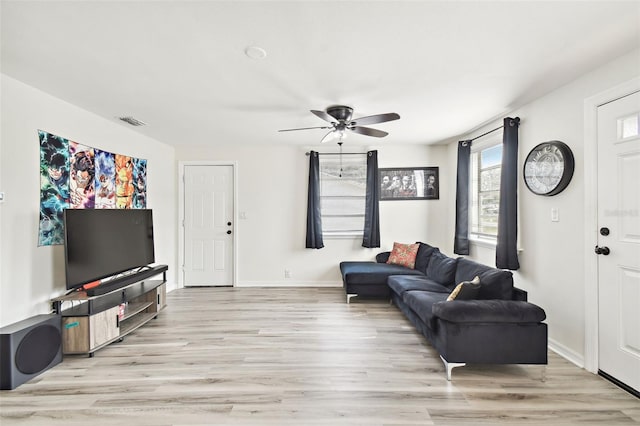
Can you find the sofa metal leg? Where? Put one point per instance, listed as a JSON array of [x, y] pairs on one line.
[[349, 296], [449, 366]]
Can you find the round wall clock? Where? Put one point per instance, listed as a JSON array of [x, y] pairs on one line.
[[548, 168]]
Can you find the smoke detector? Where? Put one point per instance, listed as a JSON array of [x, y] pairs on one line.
[[133, 121]]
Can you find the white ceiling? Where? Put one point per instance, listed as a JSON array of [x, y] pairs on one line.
[[444, 66]]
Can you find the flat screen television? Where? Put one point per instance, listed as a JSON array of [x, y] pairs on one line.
[[100, 243]]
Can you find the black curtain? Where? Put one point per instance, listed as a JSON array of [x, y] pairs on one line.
[[314, 220], [371, 236], [507, 246], [461, 241]]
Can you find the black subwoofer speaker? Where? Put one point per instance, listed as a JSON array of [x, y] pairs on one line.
[[28, 348]]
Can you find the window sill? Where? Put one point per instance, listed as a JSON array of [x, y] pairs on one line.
[[342, 237]]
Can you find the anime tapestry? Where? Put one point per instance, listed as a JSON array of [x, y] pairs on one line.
[[77, 176]]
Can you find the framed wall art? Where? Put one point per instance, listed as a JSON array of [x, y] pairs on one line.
[[409, 183]]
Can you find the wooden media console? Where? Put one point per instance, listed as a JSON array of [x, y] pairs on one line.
[[92, 322]]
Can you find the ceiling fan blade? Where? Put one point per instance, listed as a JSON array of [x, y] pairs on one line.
[[327, 137], [324, 116], [373, 119], [305, 128], [368, 131]]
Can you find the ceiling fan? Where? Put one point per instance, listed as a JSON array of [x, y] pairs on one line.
[[340, 118]]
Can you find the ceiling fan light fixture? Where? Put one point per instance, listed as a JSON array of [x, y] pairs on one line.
[[340, 118]]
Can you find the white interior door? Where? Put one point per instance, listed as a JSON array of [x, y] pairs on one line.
[[208, 225], [619, 239]]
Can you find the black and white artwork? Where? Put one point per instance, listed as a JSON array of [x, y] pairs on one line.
[[409, 183]]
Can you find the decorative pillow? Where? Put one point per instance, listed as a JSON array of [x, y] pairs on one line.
[[404, 255], [466, 290]]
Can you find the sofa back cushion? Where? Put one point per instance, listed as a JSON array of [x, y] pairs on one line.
[[424, 255], [442, 269], [494, 283]]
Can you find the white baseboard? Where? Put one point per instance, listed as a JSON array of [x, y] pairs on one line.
[[289, 283], [566, 353]]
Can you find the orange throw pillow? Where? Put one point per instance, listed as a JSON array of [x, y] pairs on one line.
[[404, 254]]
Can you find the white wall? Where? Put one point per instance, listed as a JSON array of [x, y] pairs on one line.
[[29, 275], [272, 192], [552, 260]]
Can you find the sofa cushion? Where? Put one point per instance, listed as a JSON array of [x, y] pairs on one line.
[[442, 269], [401, 283], [424, 254], [466, 290], [467, 269], [404, 255], [372, 272], [494, 283], [489, 311], [421, 303]]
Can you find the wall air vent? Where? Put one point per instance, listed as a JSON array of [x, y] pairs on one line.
[[132, 121]]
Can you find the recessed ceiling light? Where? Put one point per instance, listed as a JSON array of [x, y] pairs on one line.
[[255, 52]]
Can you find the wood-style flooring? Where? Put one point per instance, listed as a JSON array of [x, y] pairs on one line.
[[300, 356]]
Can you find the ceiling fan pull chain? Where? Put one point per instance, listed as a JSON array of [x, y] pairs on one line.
[[340, 143]]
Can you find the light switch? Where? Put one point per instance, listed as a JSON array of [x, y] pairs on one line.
[[555, 215]]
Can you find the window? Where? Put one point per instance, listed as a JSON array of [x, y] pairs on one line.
[[343, 182], [628, 126], [485, 167]]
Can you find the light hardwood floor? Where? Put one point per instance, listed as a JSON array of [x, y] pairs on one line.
[[300, 356]]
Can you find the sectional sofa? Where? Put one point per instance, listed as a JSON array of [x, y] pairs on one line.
[[489, 322]]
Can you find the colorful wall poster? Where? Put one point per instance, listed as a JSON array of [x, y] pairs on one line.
[[124, 182], [139, 183], [81, 182], [77, 176], [105, 180], [54, 187]]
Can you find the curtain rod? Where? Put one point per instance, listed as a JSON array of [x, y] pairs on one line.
[[486, 133], [516, 119], [337, 153]]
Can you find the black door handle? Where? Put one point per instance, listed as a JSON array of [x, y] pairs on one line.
[[602, 250], [229, 233]]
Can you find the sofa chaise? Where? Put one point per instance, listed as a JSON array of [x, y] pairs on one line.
[[489, 322]]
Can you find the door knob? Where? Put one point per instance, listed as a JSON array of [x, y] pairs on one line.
[[229, 233], [228, 223], [604, 231], [602, 250]]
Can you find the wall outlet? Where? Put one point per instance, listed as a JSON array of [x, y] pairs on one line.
[[287, 273], [555, 215]]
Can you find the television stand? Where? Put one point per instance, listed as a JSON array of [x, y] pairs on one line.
[[95, 320]]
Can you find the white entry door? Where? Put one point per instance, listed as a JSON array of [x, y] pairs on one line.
[[208, 225], [619, 239]]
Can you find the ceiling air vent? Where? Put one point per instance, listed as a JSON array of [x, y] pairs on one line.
[[132, 121]]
